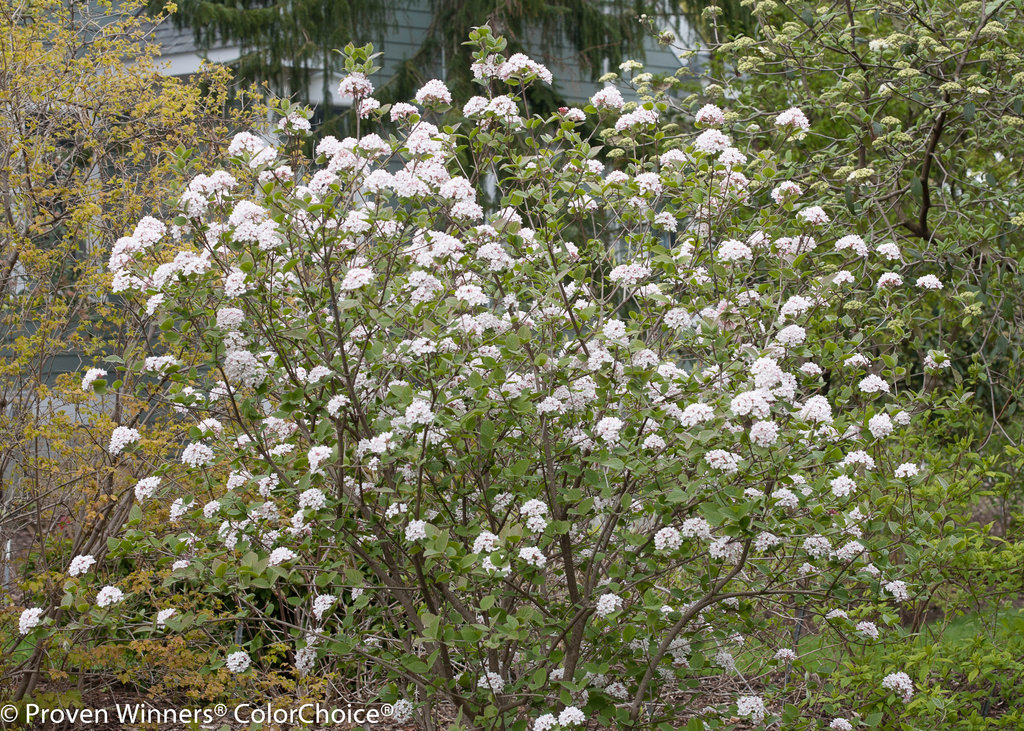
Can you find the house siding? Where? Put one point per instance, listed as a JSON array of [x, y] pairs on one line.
[[400, 41]]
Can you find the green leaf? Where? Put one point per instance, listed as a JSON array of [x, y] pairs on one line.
[[917, 188]]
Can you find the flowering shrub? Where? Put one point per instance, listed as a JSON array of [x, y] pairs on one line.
[[547, 438]]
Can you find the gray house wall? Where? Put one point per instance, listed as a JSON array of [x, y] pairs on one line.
[[400, 42]]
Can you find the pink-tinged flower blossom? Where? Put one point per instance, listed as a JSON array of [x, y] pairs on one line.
[[295, 124], [752, 707], [245, 142], [752, 403], [533, 556], [867, 629], [854, 243], [906, 470], [571, 716], [608, 98], [889, 280], [471, 294], [356, 277], [476, 106], [491, 681], [849, 551], [545, 722], [814, 214], [764, 433], [667, 539], [355, 85], [842, 486], [816, 410], [793, 118], [711, 141], [121, 437], [108, 596], [641, 117], [710, 115], [238, 662], [317, 456], [91, 376], [880, 426], [733, 250], [416, 531], [178, 508], [402, 110], [313, 499], [786, 190], [722, 460], [733, 158], [897, 590], [367, 107], [791, 335], [419, 412], [889, 251], [145, 488], [649, 183], [695, 528], [520, 67], [434, 92], [80, 565], [607, 604], [608, 429], [197, 455], [817, 546], [321, 604], [873, 384], [654, 443], [900, 683], [811, 369], [30, 619], [936, 360], [281, 555], [629, 274], [674, 159], [665, 221]]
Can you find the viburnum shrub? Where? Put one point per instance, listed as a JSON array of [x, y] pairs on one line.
[[559, 435]]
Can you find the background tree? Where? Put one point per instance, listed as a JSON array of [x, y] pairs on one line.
[[88, 144]]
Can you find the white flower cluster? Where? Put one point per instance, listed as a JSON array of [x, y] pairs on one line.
[[900, 683], [80, 565], [163, 615], [238, 662], [752, 707], [108, 596], [608, 604], [30, 619], [122, 437]]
